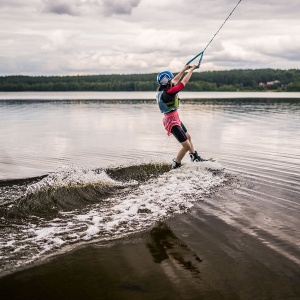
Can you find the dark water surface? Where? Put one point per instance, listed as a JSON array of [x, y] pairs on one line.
[[107, 219]]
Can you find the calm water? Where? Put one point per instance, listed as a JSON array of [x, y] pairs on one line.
[[107, 177]]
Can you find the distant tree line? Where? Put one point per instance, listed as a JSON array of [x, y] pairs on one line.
[[233, 80]]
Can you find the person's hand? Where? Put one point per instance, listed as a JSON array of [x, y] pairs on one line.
[[195, 66], [186, 67]]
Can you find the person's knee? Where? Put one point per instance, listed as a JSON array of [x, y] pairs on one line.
[[189, 137], [186, 145]]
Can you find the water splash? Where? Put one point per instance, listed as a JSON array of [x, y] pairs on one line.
[[136, 206]]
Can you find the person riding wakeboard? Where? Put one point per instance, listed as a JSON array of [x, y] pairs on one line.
[[168, 102]]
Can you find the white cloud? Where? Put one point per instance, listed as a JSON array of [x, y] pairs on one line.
[[43, 37], [60, 40]]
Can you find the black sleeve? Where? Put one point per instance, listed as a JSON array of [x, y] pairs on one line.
[[167, 97]]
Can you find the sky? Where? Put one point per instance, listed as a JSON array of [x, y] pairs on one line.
[[86, 37]]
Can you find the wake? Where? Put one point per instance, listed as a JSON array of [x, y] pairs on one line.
[[75, 205]]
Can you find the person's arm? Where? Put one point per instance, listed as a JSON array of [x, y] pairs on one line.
[[188, 75], [178, 87], [176, 79]]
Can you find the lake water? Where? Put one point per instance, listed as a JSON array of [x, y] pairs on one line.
[[230, 229]]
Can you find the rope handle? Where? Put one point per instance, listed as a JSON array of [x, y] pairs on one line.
[[200, 59]]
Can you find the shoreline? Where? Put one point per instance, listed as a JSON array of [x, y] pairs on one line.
[[140, 96]]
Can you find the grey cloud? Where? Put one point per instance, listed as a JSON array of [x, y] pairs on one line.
[[120, 7], [89, 7], [16, 4], [289, 53], [11, 3], [293, 55], [254, 9], [62, 9], [59, 7]]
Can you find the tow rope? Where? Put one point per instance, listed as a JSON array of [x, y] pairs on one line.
[[200, 55]]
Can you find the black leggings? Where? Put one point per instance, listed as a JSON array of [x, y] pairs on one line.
[[179, 132]]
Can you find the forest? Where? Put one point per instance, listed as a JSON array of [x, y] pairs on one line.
[[232, 80]]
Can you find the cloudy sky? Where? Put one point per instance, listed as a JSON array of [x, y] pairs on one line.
[[70, 37]]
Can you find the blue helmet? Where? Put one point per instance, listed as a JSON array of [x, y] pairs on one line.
[[164, 77]]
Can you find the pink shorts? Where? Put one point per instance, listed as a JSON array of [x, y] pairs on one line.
[[171, 119]]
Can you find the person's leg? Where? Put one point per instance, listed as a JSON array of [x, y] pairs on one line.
[[186, 146], [180, 134], [191, 150], [193, 154], [185, 139]]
